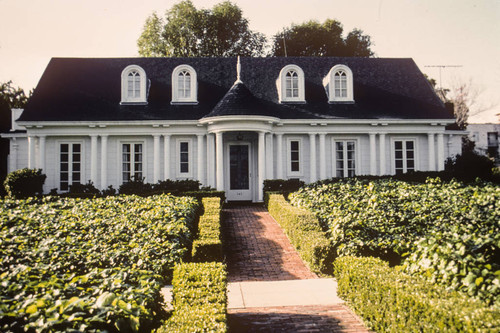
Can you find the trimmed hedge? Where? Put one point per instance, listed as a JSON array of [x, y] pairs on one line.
[[392, 301], [304, 232], [199, 298], [24, 183], [208, 246]]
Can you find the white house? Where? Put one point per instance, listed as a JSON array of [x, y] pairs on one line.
[[486, 139], [230, 124]]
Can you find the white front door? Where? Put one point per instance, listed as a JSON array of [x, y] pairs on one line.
[[239, 184]]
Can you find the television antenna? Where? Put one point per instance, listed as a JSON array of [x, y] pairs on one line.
[[440, 68]]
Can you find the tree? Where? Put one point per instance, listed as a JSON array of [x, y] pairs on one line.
[[15, 97], [314, 39], [189, 32]]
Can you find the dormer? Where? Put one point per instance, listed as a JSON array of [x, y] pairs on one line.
[[290, 85], [134, 85], [184, 85], [338, 84]]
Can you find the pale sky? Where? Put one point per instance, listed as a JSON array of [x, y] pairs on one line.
[[432, 32]]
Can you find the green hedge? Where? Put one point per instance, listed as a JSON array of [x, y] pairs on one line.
[[208, 246], [199, 298], [304, 232], [24, 183], [392, 301]]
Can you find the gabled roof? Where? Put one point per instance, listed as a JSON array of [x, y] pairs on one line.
[[79, 89]]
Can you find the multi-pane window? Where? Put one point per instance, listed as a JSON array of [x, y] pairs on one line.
[[132, 162], [184, 84], [292, 84], [404, 156], [294, 156], [134, 84], [70, 165], [184, 157], [340, 84], [345, 159]]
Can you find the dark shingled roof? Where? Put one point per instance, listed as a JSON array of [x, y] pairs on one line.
[[79, 89]]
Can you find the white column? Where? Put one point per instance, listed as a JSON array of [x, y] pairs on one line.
[[13, 155], [210, 160], [382, 154], [41, 149], [156, 158], [31, 152], [312, 158], [201, 165], [440, 144], [262, 165], [322, 156], [219, 161], [279, 156], [166, 156], [104, 161], [93, 159], [373, 157], [431, 151], [269, 156]]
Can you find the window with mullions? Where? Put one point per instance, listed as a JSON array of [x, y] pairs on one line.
[[70, 165], [184, 157], [340, 82], [345, 159], [404, 156], [294, 156], [184, 85], [132, 162], [292, 84], [133, 85]]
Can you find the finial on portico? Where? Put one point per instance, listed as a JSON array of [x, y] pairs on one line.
[[238, 72]]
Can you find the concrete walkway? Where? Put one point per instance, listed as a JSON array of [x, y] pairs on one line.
[[270, 289]]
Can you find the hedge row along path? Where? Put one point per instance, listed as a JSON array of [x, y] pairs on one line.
[[257, 250]]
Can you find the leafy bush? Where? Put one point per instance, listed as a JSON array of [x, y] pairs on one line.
[[208, 246], [24, 183], [206, 194], [470, 165], [79, 264], [174, 186], [391, 301], [304, 232], [284, 186], [451, 229], [199, 298], [136, 186]]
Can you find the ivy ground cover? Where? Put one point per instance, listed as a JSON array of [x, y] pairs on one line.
[[89, 264], [448, 233]]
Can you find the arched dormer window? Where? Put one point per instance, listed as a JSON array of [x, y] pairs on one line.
[[290, 84], [184, 85], [338, 84], [133, 85]]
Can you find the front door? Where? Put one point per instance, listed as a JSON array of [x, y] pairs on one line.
[[239, 172]]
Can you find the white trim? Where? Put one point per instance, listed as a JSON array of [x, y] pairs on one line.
[[120, 158], [357, 154], [143, 78], [329, 84], [281, 84], [178, 172], [83, 180], [291, 173], [416, 157], [193, 98]]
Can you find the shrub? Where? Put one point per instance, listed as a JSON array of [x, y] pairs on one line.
[[174, 186], [205, 194], [391, 301], [304, 232], [136, 186], [284, 186], [88, 188], [24, 183], [199, 299], [208, 246], [470, 165]]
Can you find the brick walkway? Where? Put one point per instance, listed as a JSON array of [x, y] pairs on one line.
[[258, 250]]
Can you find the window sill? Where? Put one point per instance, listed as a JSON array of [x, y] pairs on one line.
[[184, 103], [133, 103], [341, 102]]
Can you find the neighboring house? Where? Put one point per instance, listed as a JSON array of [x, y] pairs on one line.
[[231, 125], [486, 138]]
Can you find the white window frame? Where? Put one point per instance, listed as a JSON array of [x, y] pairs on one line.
[[180, 174], [281, 85], [357, 156], [142, 99], [291, 173], [329, 84], [415, 153], [70, 161], [176, 98], [143, 162]]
